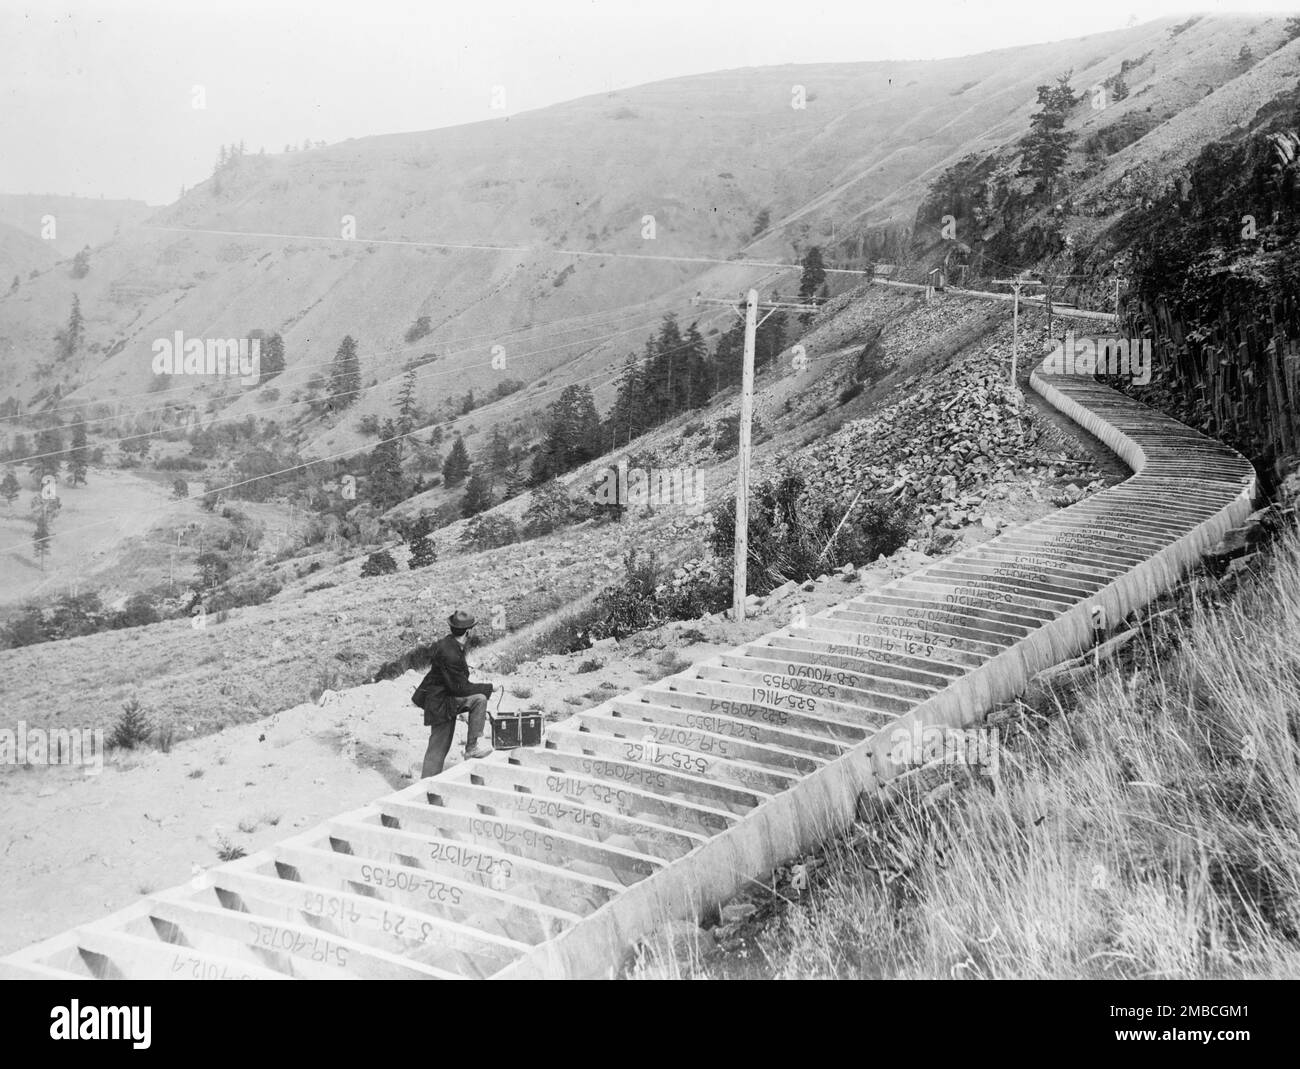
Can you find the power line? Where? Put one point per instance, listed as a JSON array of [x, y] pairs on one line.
[[299, 368], [642, 325], [478, 247]]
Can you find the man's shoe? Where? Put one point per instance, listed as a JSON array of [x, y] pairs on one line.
[[480, 749]]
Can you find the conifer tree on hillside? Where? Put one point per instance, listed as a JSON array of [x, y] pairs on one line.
[[1047, 145], [498, 452], [478, 496], [814, 273], [626, 416], [423, 552], [516, 477], [69, 338], [49, 453], [668, 373], [572, 437], [79, 455], [697, 368], [672, 377], [729, 357], [769, 340], [407, 411], [345, 375], [385, 484], [9, 488], [812, 279], [456, 466]]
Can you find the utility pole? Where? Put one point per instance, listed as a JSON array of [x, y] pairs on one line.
[[741, 562], [1015, 284], [752, 322]]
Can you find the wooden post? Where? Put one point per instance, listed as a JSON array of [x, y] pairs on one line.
[[742, 473], [1015, 284], [1015, 330]]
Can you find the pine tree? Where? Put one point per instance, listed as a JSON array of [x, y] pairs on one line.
[[423, 552], [385, 484], [624, 420], [272, 356], [345, 375], [406, 406], [41, 538], [697, 369], [70, 337], [49, 453], [573, 434], [498, 452], [769, 340], [79, 455], [670, 355], [81, 263], [516, 477], [9, 488], [729, 357], [456, 466], [814, 273], [1047, 146], [478, 496]]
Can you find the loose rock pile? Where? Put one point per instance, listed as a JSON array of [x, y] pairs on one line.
[[944, 448]]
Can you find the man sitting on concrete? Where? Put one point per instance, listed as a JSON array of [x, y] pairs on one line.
[[448, 692]]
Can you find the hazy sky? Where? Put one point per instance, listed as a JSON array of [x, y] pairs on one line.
[[96, 96]]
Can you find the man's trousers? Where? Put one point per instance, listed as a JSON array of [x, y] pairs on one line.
[[440, 735]]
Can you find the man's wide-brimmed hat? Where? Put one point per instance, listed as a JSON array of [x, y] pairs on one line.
[[461, 620]]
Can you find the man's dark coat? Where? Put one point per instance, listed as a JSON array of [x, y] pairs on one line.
[[448, 678]]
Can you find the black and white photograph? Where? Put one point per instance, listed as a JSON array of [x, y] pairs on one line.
[[591, 490]]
